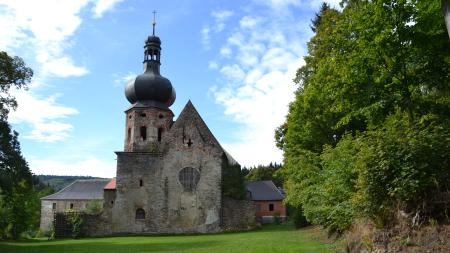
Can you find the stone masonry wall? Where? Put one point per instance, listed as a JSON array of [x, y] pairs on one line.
[[47, 211], [238, 214], [132, 169]]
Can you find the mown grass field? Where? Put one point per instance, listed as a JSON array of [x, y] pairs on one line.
[[271, 238]]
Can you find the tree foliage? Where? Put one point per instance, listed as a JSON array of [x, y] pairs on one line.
[[13, 74], [369, 127], [269, 172], [19, 200], [233, 183]]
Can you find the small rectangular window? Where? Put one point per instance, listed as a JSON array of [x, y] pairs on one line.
[[54, 206], [141, 183], [270, 207], [71, 205]]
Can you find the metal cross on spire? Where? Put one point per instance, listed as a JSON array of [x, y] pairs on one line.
[[154, 22]]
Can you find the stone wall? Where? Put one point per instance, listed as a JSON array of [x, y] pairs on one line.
[[47, 210], [150, 118], [238, 215]]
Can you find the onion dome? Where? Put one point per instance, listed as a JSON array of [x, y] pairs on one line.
[[150, 87]]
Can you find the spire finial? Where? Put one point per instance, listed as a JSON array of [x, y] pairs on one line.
[[154, 22]]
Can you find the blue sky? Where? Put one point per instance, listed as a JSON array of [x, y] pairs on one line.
[[234, 59]]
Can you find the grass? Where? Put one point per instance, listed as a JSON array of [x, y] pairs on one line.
[[271, 238]]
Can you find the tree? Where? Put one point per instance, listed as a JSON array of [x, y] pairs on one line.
[[16, 184], [269, 172], [13, 74], [374, 69]]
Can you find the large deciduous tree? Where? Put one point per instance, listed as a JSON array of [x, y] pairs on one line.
[[17, 204], [372, 98]]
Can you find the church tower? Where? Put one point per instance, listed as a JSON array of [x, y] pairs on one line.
[[150, 94], [169, 175]]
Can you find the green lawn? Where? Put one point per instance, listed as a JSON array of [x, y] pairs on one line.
[[270, 239]]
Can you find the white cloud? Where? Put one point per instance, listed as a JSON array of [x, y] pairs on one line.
[[42, 30], [104, 5], [213, 65], [248, 22], [63, 67], [233, 73], [89, 166], [260, 59], [120, 79], [220, 18], [225, 52], [43, 115], [205, 37], [280, 4]]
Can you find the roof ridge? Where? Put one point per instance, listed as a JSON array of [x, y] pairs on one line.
[[60, 190]]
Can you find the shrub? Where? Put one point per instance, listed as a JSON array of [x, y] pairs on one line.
[[299, 218], [94, 207]]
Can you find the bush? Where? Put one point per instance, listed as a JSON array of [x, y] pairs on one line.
[[299, 218], [94, 207], [406, 166], [77, 223]]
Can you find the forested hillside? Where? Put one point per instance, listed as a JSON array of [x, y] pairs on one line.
[[368, 135], [59, 182]]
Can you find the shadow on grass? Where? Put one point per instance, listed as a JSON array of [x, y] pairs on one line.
[[85, 246]]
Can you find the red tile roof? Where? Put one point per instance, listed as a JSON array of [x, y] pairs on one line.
[[111, 185]]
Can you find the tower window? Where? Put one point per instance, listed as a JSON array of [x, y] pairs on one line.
[[189, 143], [141, 183], [129, 134], [160, 116], [160, 134], [143, 115], [144, 133], [140, 214]]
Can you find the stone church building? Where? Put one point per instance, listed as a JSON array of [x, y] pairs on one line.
[[169, 174]]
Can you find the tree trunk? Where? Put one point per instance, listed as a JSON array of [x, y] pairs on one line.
[[446, 11]]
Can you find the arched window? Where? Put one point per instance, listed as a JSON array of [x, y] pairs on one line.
[[140, 214], [189, 178], [144, 133]]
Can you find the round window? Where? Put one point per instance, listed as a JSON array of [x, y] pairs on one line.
[[189, 178]]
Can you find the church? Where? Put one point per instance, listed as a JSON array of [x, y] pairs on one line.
[[169, 175]]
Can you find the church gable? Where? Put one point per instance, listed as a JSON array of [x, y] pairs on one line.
[[190, 129], [190, 124]]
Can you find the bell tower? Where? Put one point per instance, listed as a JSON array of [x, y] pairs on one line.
[[150, 95]]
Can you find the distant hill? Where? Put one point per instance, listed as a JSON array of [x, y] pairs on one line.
[[59, 182]]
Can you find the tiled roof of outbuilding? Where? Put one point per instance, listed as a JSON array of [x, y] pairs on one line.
[[264, 190], [111, 185], [81, 190]]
